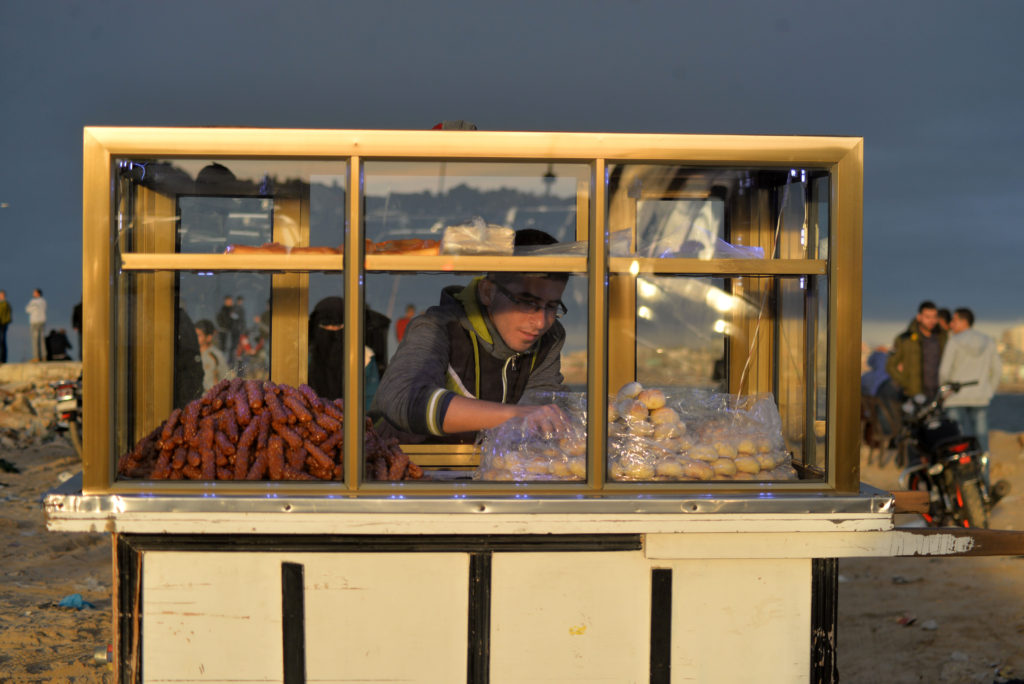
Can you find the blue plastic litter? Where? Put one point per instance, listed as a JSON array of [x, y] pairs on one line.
[[75, 601]]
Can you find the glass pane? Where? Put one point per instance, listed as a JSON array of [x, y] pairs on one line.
[[421, 200], [725, 376], [476, 336], [719, 213], [212, 206], [326, 335]]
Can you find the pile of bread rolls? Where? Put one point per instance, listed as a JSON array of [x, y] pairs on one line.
[[648, 440], [651, 441], [509, 458]]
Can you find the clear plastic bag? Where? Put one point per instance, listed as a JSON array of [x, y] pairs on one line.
[[618, 245], [674, 434], [478, 237], [654, 434], [514, 451]]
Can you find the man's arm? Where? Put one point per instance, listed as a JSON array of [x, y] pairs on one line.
[[470, 415], [996, 369], [894, 364]]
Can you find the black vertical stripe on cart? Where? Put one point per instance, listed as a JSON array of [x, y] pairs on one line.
[[661, 625], [478, 659], [293, 623], [824, 619], [129, 611]]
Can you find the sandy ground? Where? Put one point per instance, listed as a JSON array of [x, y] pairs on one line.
[[955, 620], [40, 641], [900, 619]]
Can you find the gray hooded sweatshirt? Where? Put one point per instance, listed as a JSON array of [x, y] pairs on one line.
[[971, 355]]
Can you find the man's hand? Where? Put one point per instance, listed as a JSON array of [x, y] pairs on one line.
[[546, 421]]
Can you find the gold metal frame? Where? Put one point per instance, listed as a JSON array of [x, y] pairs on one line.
[[842, 157]]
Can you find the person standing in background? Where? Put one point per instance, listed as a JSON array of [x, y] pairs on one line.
[[5, 320], [402, 322], [215, 365], [225, 324], [914, 362], [36, 310], [970, 356], [76, 323]]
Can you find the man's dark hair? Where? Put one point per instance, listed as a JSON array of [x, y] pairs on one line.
[[926, 304], [39, 291], [966, 314], [529, 237], [945, 316], [206, 326]]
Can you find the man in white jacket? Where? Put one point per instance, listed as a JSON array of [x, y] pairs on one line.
[[970, 355]]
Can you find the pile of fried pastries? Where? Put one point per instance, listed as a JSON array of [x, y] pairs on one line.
[[258, 430]]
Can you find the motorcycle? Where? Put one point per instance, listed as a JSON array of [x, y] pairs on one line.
[[946, 463], [68, 410]]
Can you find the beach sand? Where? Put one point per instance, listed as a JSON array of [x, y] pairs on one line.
[[976, 605]]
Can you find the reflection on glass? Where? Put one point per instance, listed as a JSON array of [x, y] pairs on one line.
[[730, 340], [681, 331], [199, 206], [419, 200], [326, 337], [720, 213], [230, 313]]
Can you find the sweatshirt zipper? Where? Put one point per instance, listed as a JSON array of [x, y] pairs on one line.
[[510, 361]]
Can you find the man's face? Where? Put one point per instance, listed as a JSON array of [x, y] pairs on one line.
[[928, 319], [958, 324], [519, 327]]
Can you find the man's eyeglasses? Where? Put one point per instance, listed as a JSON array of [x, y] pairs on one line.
[[531, 305]]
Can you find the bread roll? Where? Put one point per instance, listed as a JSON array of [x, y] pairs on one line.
[[652, 398], [702, 452], [640, 470], [629, 390], [724, 466], [698, 470], [747, 464], [725, 449], [669, 467], [666, 431], [641, 428], [631, 409], [578, 467], [665, 415]]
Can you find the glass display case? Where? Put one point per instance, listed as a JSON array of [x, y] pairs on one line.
[[246, 290]]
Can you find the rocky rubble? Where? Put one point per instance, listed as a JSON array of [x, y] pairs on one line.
[[27, 402]]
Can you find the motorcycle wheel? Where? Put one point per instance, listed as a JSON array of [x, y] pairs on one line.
[[972, 512], [76, 440]]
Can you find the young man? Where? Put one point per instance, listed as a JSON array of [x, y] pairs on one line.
[[914, 362], [463, 365], [970, 356], [215, 365]]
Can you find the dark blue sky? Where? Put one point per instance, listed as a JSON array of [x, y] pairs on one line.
[[935, 88]]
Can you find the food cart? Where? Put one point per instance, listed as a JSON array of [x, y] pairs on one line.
[[722, 271]]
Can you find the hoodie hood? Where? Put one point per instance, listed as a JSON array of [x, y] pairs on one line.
[[972, 341]]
